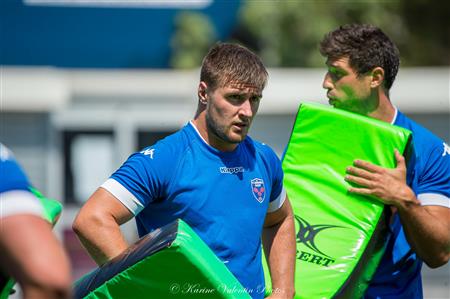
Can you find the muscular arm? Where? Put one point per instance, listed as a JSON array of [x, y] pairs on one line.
[[34, 257], [97, 226], [279, 246], [426, 227]]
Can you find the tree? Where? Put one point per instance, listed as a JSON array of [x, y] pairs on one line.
[[287, 33], [194, 34]]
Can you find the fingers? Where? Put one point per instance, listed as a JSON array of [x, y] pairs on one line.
[[358, 180], [367, 166], [361, 191], [378, 169], [361, 176], [359, 172]]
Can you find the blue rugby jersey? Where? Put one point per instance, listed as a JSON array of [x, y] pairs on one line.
[[398, 275], [223, 196], [15, 195]]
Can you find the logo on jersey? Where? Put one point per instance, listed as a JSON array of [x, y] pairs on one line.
[[446, 150], [231, 170], [258, 189], [148, 152]]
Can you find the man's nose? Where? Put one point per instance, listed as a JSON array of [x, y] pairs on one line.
[[327, 83], [246, 109]]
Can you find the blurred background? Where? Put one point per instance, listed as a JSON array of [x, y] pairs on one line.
[[86, 83]]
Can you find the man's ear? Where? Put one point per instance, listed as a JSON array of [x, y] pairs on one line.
[[202, 92], [377, 77]]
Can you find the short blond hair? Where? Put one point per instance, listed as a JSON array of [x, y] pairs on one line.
[[227, 64]]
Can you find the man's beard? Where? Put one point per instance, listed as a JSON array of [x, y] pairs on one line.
[[219, 131]]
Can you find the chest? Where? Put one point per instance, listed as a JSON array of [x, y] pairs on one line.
[[221, 183]]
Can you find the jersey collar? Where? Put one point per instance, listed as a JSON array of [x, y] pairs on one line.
[[394, 119], [211, 149]]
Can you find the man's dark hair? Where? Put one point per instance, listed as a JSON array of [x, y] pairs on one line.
[[366, 46], [227, 64]]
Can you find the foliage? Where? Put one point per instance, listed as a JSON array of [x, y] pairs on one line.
[[287, 33], [194, 34]]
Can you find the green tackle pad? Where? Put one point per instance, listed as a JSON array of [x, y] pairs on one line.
[[169, 262], [341, 237]]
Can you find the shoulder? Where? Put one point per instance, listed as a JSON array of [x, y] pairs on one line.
[[5, 153], [431, 158], [424, 141], [166, 150], [145, 174], [12, 176]]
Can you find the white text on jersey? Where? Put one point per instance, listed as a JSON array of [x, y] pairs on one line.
[[231, 170]]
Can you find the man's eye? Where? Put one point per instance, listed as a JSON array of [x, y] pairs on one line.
[[255, 99], [335, 75], [235, 97]]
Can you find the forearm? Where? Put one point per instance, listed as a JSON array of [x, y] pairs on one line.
[[427, 231], [102, 238], [280, 248], [33, 256]]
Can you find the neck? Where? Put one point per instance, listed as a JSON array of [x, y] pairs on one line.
[[385, 110], [209, 137]]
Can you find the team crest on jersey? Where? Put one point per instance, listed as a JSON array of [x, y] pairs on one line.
[[258, 189]]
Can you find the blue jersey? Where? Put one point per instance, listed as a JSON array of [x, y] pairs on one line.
[[15, 194], [223, 196], [398, 275], [11, 175]]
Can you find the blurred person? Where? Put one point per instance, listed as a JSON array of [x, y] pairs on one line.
[[362, 64], [226, 186], [31, 254]]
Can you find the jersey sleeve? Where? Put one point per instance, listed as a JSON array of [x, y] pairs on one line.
[[278, 193], [11, 175], [143, 178], [15, 195], [434, 181]]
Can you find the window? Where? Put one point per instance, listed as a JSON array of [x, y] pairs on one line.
[[88, 162], [148, 137]]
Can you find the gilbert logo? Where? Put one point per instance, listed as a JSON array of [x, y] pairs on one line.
[[258, 189], [306, 235], [148, 152]]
